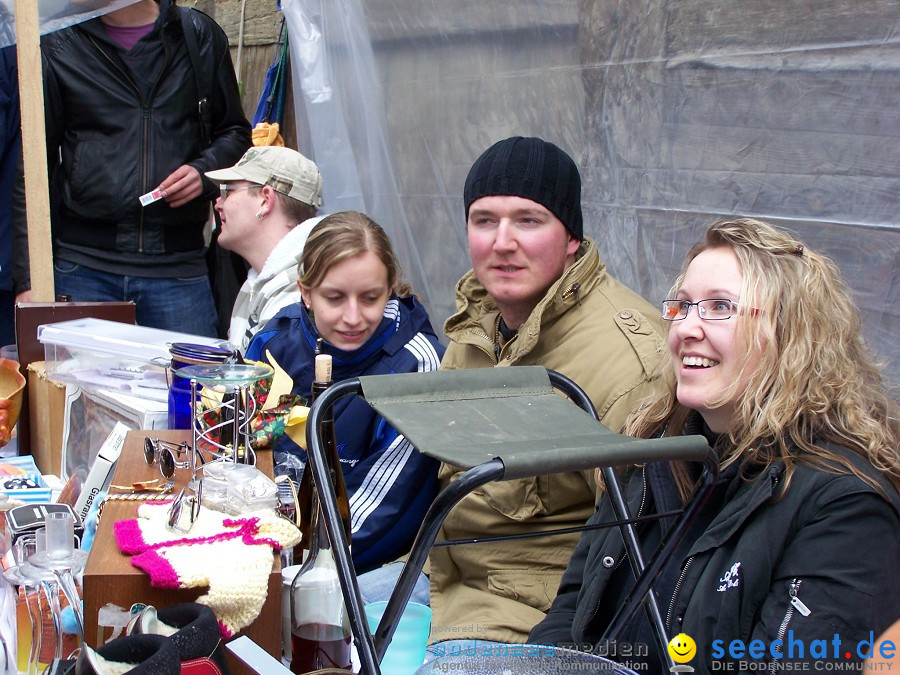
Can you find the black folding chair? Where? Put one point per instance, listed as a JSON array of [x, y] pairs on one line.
[[500, 424]]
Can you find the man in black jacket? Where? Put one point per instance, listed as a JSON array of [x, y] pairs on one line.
[[123, 121]]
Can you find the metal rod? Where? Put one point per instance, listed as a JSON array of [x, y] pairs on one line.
[[664, 550], [333, 524], [428, 532], [235, 423], [195, 427]]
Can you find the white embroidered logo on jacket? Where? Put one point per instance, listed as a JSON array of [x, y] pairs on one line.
[[731, 578]]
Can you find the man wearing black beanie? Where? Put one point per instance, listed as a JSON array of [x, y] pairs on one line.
[[538, 294]]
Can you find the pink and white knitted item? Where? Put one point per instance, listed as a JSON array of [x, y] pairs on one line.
[[232, 555]]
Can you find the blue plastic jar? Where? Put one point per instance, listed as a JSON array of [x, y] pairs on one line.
[[186, 354]]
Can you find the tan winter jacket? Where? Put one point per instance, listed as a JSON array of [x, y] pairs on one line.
[[606, 338]]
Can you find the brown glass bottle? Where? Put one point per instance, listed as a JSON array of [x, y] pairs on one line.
[[307, 501]]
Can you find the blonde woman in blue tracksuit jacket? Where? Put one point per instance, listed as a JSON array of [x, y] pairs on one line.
[[354, 299]]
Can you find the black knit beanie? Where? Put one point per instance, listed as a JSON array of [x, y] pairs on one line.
[[531, 168]]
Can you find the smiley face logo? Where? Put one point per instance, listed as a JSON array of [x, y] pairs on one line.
[[682, 648]]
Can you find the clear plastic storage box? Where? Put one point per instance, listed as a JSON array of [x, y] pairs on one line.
[[111, 355]]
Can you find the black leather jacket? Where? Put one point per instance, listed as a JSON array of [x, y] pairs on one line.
[[831, 541], [116, 129]]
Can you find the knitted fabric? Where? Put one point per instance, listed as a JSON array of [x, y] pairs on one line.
[[232, 556]]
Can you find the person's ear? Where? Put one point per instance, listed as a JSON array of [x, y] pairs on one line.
[[269, 200], [305, 295]]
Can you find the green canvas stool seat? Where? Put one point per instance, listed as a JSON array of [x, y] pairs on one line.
[[499, 424]]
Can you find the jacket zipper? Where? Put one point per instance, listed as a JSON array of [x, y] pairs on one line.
[[481, 334], [574, 289], [145, 159], [684, 571], [145, 139], [639, 514], [643, 491], [795, 604], [145, 123]]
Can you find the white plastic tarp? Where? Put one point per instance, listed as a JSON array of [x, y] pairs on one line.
[[677, 112], [56, 14]]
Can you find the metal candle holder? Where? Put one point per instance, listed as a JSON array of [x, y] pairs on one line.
[[236, 410]]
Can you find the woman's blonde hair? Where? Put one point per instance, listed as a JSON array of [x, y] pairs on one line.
[[344, 235], [814, 380]]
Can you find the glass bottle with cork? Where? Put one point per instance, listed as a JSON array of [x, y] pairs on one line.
[[306, 490], [320, 630]]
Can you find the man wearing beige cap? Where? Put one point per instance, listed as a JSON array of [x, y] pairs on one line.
[[267, 207]]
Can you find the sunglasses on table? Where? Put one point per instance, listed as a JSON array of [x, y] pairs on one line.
[[166, 454], [189, 498]]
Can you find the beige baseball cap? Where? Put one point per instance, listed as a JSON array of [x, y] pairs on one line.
[[284, 170]]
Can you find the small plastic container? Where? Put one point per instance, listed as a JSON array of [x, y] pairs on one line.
[[21, 479]]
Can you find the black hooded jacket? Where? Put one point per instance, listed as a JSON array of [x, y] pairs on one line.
[[812, 563]]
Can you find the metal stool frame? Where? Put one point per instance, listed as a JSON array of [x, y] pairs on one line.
[[372, 648]]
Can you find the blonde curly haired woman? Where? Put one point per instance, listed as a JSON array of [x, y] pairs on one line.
[[794, 558]]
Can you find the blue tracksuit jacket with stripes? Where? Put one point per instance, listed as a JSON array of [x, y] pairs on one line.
[[391, 485]]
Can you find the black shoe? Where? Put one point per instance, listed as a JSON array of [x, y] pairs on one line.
[[151, 654], [194, 631]]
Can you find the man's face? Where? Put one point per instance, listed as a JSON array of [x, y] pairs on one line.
[[237, 213], [518, 250]]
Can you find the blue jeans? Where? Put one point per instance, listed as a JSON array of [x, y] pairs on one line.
[[184, 305], [379, 584]]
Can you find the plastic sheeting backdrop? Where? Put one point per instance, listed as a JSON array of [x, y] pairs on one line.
[[677, 112], [55, 14]]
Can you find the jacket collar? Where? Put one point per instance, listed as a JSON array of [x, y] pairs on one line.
[[748, 498], [287, 251], [744, 498]]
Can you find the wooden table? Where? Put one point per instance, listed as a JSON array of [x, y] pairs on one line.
[[110, 578]]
